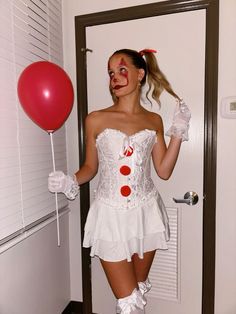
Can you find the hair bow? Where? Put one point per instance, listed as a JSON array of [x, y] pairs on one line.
[[142, 52]]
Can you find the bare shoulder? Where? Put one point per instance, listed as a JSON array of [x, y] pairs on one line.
[[92, 116], [95, 120], [154, 116], [155, 120], [92, 119], [97, 116]]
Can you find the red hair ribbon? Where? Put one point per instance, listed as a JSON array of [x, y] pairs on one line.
[[142, 52]]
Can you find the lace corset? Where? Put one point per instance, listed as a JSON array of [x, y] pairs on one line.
[[124, 166]]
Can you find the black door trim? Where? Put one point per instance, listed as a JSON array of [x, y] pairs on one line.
[[210, 136]]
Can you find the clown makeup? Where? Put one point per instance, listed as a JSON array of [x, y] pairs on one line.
[[119, 75]]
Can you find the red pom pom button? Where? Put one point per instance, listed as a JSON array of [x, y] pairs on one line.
[[125, 190], [128, 151], [125, 170]]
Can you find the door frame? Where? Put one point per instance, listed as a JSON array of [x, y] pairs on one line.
[[210, 126]]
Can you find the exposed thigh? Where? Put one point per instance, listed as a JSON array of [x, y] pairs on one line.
[[121, 277], [143, 265]]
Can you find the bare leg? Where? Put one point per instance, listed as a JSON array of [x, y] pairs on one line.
[[121, 277], [125, 278], [142, 265]]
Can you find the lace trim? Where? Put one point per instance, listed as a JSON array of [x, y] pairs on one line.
[[73, 190]]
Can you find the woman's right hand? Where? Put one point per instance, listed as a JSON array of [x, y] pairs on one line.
[[58, 182]]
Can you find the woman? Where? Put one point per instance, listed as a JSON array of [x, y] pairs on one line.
[[127, 221]]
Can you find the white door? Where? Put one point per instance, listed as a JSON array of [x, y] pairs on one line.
[[179, 39]]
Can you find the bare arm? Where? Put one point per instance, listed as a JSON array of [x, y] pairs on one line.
[[58, 182], [164, 158], [90, 166]]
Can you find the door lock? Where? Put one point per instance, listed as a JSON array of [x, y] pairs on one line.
[[190, 198]]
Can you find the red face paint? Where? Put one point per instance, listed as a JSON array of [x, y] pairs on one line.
[[122, 62], [123, 66], [121, 71]]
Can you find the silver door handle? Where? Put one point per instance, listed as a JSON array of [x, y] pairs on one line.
[[190, 198]]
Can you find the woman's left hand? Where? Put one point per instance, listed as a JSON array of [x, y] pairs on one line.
[[180, 125]]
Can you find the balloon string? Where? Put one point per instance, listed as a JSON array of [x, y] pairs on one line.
[[56, 199]]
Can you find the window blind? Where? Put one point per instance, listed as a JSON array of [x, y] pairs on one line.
[[30, 31]]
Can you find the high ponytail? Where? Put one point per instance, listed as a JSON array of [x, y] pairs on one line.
[[156, 79]]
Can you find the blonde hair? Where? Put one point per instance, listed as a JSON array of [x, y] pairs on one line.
[[156, 79]]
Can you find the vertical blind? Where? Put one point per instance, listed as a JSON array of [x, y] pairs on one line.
[[30, 31]]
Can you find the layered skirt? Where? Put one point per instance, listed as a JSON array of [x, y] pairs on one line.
[[115, 234]]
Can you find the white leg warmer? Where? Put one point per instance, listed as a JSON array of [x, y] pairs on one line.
[[133, 304], [144, 286]]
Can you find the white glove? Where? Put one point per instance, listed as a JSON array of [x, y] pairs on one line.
[[180, 125], [58, 182]]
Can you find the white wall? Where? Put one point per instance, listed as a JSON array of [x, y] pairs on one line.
[[226, 183], [226, 173], [34, 274]]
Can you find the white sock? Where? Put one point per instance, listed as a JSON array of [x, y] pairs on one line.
[[132, 304], [144, 286]]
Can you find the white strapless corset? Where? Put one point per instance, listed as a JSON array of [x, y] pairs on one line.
[[124, 166], [127, 215]]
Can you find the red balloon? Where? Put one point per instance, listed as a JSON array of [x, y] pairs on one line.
[[46, 94]]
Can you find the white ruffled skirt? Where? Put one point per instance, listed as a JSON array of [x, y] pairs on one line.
[[116, 234]]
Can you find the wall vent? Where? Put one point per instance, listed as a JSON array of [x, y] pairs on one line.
[[165, 272]]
